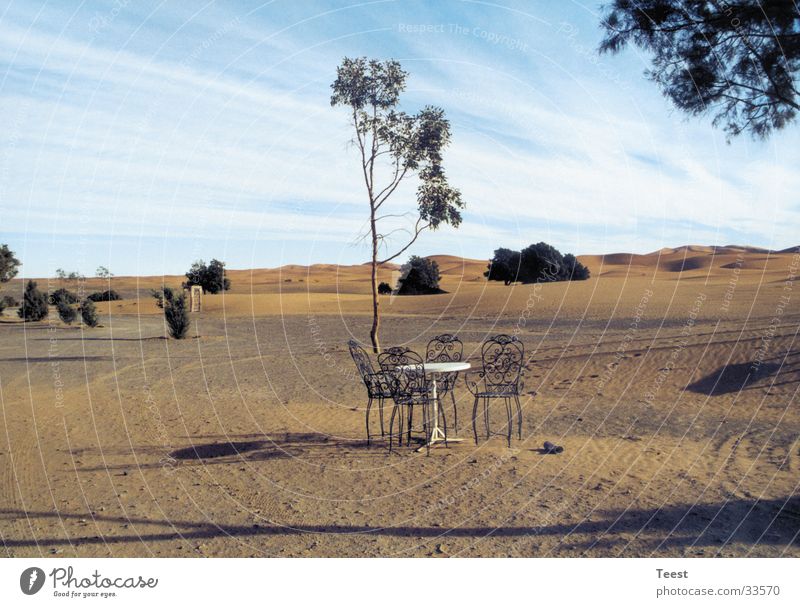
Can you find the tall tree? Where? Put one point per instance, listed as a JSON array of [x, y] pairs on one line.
[[394, 146], [736, 60]]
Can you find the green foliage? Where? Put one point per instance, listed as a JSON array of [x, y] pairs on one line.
[[34, 303], [9, 264], [539, 262], [211, 277], [66, 312], [738, 61], [89, 313], [504, 266], [420, 276], [103, 272], [384, 289], [62, 295], [110, 295], [176, 315]]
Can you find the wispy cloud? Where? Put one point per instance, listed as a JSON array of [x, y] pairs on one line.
[[193, 126]]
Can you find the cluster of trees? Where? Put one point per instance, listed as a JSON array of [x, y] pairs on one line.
[[210, 276], [539, 262]]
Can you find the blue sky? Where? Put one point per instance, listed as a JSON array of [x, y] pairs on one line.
[[143, 135]]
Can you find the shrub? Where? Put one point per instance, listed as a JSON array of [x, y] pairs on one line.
[[539, 262], [420, 276], [211, 277], [62, 295], [160, 295], [34, 303], [89, 313], [574, 269], [110, 295], [66, 312], [384, 289], [9, 301], [504, 266], [176, 315]]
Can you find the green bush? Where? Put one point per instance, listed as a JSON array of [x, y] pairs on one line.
[[110, 295], [66, 312], [420, 276], [211, 277], [176, 315], [34, 303], [89, 313], [62, 295], [9, 301], [384, 289], [539, 262]]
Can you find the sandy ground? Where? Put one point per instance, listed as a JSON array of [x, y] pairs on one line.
[[670, 379]]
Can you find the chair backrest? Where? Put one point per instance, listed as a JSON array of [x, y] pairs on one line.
[[502, 358], [409, 384], [362, 360], [444, 349], [397, 357]]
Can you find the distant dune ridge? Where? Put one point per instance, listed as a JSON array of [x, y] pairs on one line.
[[715, 261]]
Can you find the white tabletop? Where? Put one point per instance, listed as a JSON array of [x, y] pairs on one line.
[[443, 367]]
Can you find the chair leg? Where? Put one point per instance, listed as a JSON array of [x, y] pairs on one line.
[[391, 426], [369, 406], [510, 427], [426, 427], [519, 416], [410, 422], [475, 419], [486, 415], [455, 410], [444, 423], [380, 413]]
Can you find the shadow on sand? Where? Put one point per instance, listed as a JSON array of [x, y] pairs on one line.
[[734, 378], [767, 522]]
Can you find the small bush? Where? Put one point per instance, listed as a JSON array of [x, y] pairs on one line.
[[62, 294], [66, 312], [420, 277], [9, 301], [110, 295], [176, 315], [384, 289], [34, 303], [89, 313]]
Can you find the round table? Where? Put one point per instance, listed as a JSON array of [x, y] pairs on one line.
[[435, 370]]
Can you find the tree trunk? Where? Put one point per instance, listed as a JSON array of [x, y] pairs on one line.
[[376, 313]]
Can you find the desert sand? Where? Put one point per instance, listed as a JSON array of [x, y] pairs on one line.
[[671, 379]]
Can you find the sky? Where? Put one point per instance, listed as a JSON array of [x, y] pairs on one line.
[[145, 135]]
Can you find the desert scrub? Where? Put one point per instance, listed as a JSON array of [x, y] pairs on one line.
[[34, 303], [176, 314], [89, 313]]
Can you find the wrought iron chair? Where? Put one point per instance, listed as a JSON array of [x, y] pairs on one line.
[[392, 358], [378, 384], [446, 348], [502, 357], [410, 389]]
